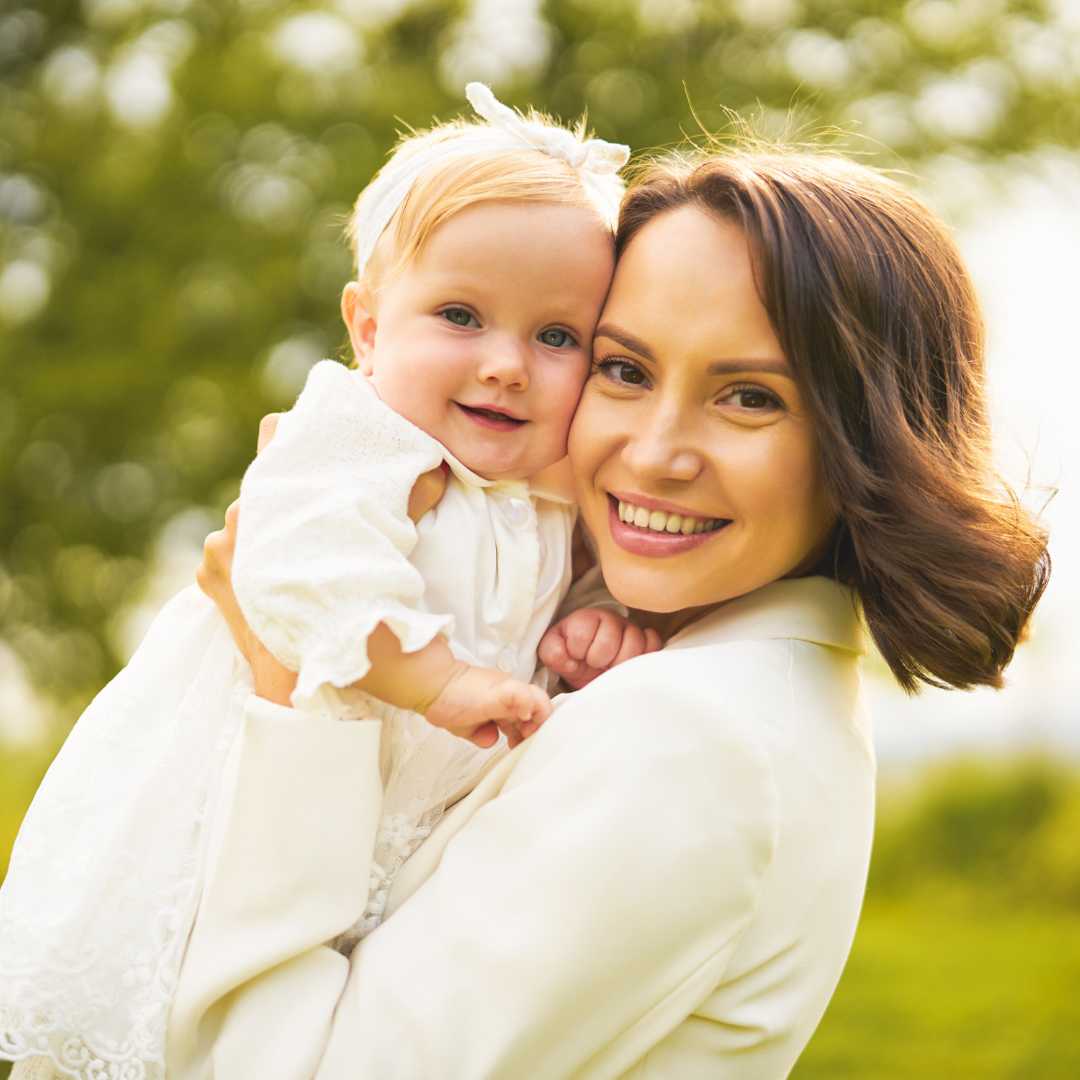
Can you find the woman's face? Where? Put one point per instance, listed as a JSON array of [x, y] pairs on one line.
[[696, 463]]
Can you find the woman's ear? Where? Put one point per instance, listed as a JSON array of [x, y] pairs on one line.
[[358, 313]]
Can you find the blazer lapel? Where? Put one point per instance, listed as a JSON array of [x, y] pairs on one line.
[[807, 609]]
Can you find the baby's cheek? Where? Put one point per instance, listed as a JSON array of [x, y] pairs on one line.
[[559, 400]]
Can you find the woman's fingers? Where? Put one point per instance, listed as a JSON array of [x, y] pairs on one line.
[[216, 565], [267, 426]]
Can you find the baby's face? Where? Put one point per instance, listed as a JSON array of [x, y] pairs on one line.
[[484, 340]]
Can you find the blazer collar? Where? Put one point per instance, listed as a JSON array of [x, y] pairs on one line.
[[813, 609]]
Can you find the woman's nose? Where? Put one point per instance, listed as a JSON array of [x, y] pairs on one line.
[[662, 448], [505, 362]]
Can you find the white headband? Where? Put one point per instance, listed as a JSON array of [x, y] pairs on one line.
[[597, 163]]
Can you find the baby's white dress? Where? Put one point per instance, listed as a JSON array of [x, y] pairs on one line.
[[105, 873]]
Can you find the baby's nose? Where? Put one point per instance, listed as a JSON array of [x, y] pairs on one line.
[[506, 362]]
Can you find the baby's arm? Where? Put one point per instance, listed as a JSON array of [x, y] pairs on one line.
[[588, 641], [472, 702]]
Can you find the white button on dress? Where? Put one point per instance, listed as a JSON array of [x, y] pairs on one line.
[[518, 512]]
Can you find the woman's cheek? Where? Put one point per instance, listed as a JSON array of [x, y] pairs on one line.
[[586, 430], [799, 494]]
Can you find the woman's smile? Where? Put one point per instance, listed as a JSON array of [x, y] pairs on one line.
[[645, 526]]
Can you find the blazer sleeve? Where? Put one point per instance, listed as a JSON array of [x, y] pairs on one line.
[[612, 874]]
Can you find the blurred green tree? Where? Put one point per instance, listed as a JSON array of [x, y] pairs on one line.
[[174, 175]]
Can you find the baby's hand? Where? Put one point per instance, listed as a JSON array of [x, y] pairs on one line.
[[589, 641], [477, 703]]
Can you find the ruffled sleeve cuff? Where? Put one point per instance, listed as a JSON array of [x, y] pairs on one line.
[[340, 660]]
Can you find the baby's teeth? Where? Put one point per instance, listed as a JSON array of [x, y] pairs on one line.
[[674, 523]]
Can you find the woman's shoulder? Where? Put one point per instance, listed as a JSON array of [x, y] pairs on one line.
[[801, 636], [758, 684], [656, 730], [638, 759]]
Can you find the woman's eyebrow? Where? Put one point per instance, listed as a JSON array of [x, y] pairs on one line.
[[736, 367], [717, 367], [627, 341]]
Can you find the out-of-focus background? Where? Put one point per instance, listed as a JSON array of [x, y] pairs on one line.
[[173, 179]]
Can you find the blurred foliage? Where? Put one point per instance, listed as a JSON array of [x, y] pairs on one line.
[[174, 175], [1006, 833], [943, 995], [968, 950]]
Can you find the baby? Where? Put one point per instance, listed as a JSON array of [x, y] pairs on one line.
[[484, 252]]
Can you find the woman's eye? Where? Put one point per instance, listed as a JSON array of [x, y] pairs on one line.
[[622, 372], [557, 338], [754, 398], [459, 316]]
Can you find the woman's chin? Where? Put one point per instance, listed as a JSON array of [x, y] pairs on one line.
[[646, 591]]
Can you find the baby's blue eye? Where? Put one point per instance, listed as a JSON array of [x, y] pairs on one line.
[[459, 316], [556, 338]]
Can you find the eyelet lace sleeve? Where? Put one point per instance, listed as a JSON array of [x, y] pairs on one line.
[[324, 533]]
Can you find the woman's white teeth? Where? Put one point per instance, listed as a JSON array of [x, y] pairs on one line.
[[661, 521]]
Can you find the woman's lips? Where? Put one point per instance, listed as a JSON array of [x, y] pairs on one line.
[[491, 419], [644, 541]]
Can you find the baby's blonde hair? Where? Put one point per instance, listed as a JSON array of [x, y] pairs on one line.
[[458, 180]]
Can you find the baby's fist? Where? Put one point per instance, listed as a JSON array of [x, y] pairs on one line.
[[589, 641]]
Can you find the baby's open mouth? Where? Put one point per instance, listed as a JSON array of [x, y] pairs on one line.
[[491, 417]]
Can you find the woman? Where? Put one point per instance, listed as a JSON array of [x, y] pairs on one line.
[[665, 880]]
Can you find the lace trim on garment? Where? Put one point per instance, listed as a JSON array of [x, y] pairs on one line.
[[91, 947], [63, 1019], [424, 769]]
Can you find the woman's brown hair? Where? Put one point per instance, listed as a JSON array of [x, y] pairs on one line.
[[877, 315]]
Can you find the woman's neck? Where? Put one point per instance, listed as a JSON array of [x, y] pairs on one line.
[[668, 623]]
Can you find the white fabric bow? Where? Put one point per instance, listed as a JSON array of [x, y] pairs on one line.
[[592, 155], [597, 163]]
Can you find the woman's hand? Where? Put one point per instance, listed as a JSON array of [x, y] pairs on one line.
[[273, 681]]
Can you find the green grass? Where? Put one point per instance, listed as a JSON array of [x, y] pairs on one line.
[[944, 994]]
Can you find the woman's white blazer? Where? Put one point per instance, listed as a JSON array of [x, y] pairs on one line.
[[663, 882]]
